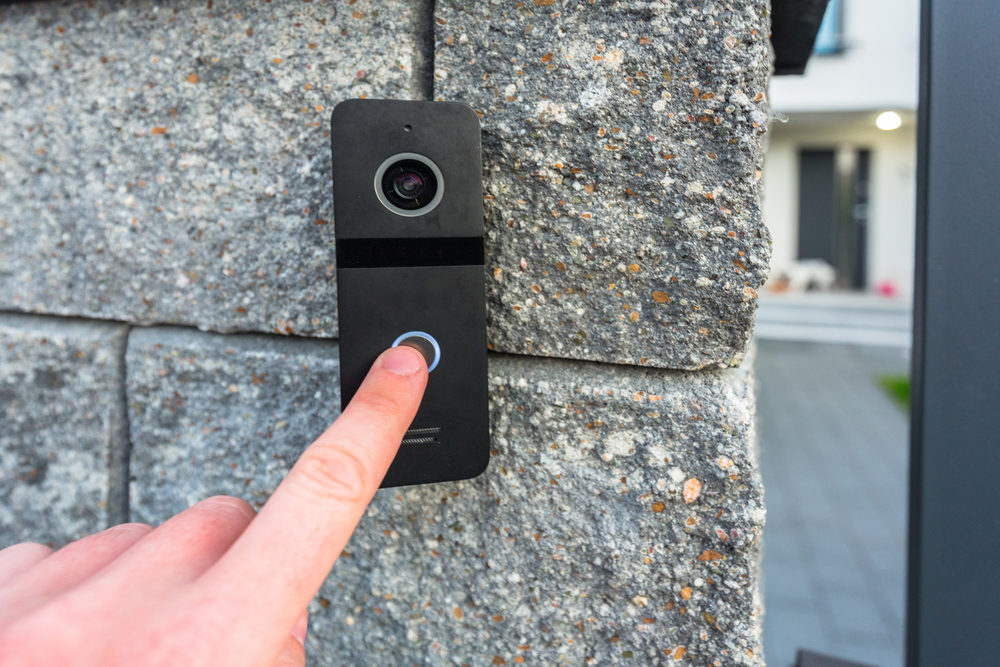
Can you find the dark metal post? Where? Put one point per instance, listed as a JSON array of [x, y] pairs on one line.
[[954, 545]]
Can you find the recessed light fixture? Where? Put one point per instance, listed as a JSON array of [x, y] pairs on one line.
[[888, 120]]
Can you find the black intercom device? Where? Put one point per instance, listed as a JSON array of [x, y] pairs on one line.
[[408, 212]]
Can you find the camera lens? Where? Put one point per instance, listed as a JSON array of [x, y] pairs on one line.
[[408, 184]]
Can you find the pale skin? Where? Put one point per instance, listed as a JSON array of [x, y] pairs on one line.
[[217, 584]]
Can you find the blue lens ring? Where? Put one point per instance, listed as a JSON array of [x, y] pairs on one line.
[[426, 336]]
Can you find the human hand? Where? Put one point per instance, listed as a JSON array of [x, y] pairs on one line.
[[215, 584]]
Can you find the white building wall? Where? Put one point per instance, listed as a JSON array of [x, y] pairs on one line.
[[876, 70], [834, 104], [892, 191], [893, 217], [779, 203]]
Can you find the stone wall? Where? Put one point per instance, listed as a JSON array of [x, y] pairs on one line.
[[165, 214]]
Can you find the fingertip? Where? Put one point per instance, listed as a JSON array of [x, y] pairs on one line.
[[301, 628], [227, 507], [19, 558], [403, 360], [292, 654], [27, 549]]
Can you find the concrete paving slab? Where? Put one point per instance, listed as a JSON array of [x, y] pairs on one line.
[[834, 461]]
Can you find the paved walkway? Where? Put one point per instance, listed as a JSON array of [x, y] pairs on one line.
[[834, 317], [834, 453]]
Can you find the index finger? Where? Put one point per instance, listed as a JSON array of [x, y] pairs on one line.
[[281, 559]]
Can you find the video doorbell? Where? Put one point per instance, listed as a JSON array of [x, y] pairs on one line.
[[408, 212]]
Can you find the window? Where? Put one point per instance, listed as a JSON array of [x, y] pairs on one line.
[[829, 38]]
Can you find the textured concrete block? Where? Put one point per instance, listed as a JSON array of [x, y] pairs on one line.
[[176, 172], [622, 146], [618, 519], [171, 163], [221, 414], [62, 417]]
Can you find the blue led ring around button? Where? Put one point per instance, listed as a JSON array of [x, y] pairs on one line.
[[426, 336]]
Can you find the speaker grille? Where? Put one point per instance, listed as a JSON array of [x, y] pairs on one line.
[[422, 436]]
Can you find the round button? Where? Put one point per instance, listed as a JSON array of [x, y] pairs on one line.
[[424, 343]]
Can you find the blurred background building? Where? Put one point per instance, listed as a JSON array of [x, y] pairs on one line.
[[833, 331], [839, 176]]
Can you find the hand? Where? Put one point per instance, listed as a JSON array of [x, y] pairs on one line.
[[214, 585]]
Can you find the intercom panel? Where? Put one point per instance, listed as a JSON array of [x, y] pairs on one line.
[[408, 214]]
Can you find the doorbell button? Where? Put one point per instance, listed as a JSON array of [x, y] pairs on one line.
[[424, 343]]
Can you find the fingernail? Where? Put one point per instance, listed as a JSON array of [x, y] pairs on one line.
[[402, 360], [300, 629]]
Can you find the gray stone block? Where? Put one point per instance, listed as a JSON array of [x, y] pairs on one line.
[[62, 417], [171, 163], [618, 519], [215, 414], [622, 145]]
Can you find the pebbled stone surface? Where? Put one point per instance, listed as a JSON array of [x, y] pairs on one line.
[[618, 520], [179, 171], [211, 414], [170, 163], [62, 417], [622, 145]]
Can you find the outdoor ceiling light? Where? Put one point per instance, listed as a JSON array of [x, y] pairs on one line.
[[888, 120]]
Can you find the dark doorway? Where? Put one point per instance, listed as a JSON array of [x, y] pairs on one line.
[[857, 225], [833, 211], [817, 205]]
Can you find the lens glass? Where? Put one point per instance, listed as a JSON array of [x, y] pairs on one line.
[[409, 184]]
